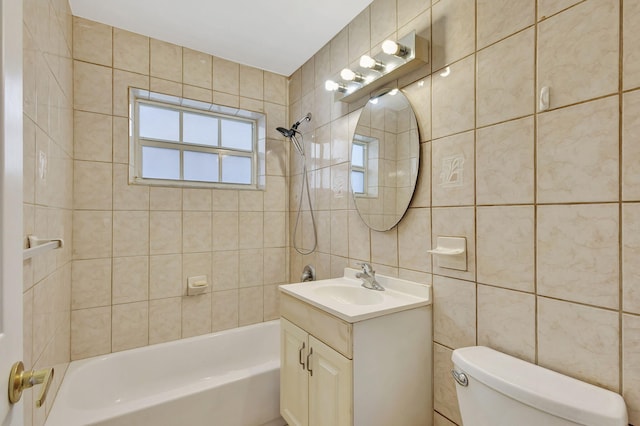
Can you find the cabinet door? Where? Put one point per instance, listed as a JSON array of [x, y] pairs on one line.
[[294, 378], [330, 386]]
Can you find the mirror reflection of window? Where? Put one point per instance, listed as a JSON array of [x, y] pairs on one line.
[[359, 168]]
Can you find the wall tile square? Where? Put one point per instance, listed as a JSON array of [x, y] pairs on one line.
[[165, 232], [275, 266], [590, 335], [505, 87], [250, 305], [92, 185], [196, 315], [271, 302], [196, 199], [165, 323], [90, 283], [226, 269], [92, 87], [92, 234], [275, 234], [454, 312], [251, 82], [631, 45], [453, 170], [196, 232], [130, 279], [414, 239], [130, 326], [568, 45], [498, 19], [504, 163], [224, 309], [165, 198], [408, 9], [546, 8], [507, 321], [252, 271], [630, 256], [506, 246], [127, 196], [384, 247], [339, 59], [359, 237], [630, 147], [90, 332], [165, 60], [251, 231], [194, 264], [197, 93], [440, 420], [197, 68], [130, 233], [122, 81], [578, 153], [339, 233], [359, 37], [92, 41], [631, 365], [166, 87], [120, 140], [445, 400], [453, 30], [455, 222], [275, 88], [383, 20], [165, 276], [226, 76], [452, 101], [130, 51], [225, 231], [92, 136], [251, 201]]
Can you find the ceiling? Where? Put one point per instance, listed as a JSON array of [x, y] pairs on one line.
[[273, 35]]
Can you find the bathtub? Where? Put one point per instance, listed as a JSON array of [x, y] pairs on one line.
[[230, 378]]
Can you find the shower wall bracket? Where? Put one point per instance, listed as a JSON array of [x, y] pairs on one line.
[[394, 68]]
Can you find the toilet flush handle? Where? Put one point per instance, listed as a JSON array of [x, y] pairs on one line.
[[460, 377]]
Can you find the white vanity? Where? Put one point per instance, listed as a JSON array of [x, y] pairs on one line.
[[354, 356]]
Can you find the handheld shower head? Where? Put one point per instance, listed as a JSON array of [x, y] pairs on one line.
[[291, 133], [287, 133]]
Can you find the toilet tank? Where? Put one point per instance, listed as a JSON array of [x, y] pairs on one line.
[[502, 390]]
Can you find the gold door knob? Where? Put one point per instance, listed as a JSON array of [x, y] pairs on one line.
[[20, 380]]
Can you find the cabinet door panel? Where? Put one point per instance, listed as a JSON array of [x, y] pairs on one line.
[[330, 386], [294, 378]]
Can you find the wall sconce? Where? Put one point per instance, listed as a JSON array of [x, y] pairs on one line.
[[396, 59], [332, 86], [368, 62]]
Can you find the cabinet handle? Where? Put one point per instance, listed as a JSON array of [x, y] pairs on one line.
[[300, 360], [309, 361]]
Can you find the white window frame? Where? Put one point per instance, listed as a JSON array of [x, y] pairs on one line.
[[363, 169], [139, 97]]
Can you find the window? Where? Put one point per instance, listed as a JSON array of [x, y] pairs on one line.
[[358, 167], [181, 142]]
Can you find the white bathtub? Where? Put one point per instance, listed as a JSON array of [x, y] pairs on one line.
[[229, 378]]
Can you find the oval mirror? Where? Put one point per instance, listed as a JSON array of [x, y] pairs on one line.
[[385, 152]]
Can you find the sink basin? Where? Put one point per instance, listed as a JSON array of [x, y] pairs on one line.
[[350, 295]]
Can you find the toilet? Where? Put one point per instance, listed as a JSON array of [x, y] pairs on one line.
[[495, 389]]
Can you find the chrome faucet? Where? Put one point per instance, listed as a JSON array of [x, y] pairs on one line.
[[368, 277]]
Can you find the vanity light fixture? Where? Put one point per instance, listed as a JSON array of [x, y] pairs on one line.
[[349, 75], [332, 86], [390, 47], [368, 62]]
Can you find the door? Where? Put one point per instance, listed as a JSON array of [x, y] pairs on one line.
[[294, 377], [330, 386], [10, 202]]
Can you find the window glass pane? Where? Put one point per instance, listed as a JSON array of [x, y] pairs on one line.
[[200, 166], [160, 163], [357, 182], [237, 134], [236, 169], [357, 155], [200, 129], [159, 123]]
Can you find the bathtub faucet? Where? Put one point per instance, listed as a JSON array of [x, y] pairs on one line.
[[368, 277]]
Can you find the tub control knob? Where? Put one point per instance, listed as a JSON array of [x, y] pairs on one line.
[[20, 380], [461, 378]]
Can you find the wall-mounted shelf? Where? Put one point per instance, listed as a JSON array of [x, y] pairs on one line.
[[38, 246]]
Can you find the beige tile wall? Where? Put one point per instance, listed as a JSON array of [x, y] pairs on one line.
[[134, 245], [48, 189], [550, 204]]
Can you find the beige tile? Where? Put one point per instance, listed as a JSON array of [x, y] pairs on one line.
[[196, 232], [196, 199], [359, 38], [322, 63], [453, 98], [506, 246], [275, 233], [251, 230], [165, 232], [414, 239], [631, 45], [339, 233], [577, 253], [120, 140], [92, 41], [422, 191], [277, 157], [194, 264], [250, 305], [546, 8], [92, 136], [165, 198], [122, 81], [92, 88], [225, 267], [630, 256], [165, 60], [224, 309], [130, 51], [197, 93], [340, 194], [408, 9], [197, 68], [275, 88], [455, 222], [359, 238], [506, 79], [225, 231], [504, 163], [453, 170], [630, 149], [295, 83], [440, 420], [419, 95], [221, 98], [165, 320], [445, 400], [252, 271], [27, 327], [92, 234], [90, 332], [506, 321], [127, 196], [453, 31], [454, 312], [130, 233], [130, 279], [196, 315], [383, 20], [166, 87], [568, 44], [308, 71], [90, 283], [580, 341], [92, 185], [226, 76], [165, 276], [271, 302], [251, 82], [251, 201], [631, 366], [275, 266], [577, 153], [339, 59], [498, 19], [130, 326]]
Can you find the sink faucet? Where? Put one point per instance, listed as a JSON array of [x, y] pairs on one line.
[[368, 277]]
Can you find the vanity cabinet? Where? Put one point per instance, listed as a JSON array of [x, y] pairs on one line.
[[375, 372]]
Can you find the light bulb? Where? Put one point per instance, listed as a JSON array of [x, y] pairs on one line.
[[349, 75], [390, 47], [332, 86], [367, 61], [393, 92]]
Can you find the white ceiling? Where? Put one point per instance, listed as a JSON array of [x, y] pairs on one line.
[[274, 35]]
